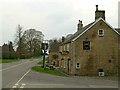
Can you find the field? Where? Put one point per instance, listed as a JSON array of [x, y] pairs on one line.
[[7, 60]]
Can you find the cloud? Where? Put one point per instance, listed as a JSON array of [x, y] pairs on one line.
[[54, 18]]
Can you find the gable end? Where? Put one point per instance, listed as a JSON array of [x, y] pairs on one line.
[[93, 25]]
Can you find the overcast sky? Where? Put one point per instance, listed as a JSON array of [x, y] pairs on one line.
[[54, 18]]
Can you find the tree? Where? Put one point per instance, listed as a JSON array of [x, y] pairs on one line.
[[36, 47], [32, 40], [0, 52], [8, 51], [18, 40], [5, 51], [11, 51]]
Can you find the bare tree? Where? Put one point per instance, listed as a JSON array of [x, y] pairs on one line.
[[18, 40]]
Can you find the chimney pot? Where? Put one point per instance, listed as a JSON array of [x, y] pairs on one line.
[[96, 7], [63, 38], [80, 25], [99, 13]]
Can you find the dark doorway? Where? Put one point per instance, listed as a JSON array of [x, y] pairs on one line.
[[68, 65]]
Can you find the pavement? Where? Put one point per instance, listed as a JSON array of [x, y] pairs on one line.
[[20, 75]]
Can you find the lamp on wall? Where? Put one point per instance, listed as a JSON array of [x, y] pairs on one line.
[[86, 44]]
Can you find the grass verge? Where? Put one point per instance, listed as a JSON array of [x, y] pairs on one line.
[[8, 60], [53, 72], [41, 62]]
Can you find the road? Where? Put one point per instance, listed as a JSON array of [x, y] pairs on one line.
[[20, 75], [13, 72], [42, 80]]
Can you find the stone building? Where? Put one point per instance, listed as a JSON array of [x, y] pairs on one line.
[[93, 48], [53, 53]]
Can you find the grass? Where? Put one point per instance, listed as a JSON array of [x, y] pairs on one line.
[[41, 62], [31, 59], [7, 60], [53, 72]]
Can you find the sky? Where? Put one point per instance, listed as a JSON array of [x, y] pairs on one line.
[[54, 18]]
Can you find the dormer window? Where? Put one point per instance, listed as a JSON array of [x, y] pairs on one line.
[[101, 32]]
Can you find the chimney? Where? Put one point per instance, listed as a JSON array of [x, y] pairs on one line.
[[99, 13], [63, 39], [96, 7], [80, 25]]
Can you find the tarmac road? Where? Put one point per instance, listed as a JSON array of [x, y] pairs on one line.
[[12, 72], [42, 80]]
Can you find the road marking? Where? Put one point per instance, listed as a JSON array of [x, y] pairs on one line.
[[20, 80], [23, 76], [14, 86], [23, 85]]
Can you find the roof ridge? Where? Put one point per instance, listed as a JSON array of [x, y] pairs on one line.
[[78, 32], [86, 28]]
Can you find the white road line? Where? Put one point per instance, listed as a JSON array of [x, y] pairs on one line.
[[13, 66], [20, 80], [14, 86], [23, 85], [23, 76]]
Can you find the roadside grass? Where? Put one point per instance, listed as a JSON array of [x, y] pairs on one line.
[[48, 71], [32, 58], [7, 60], [41, 62]]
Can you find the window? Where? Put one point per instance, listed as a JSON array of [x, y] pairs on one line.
[[60, 48], [67, 47], [100, 32], [86, 45], [77, 66]]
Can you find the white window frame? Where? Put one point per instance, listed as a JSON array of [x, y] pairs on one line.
[[77, 65], [99, 33]]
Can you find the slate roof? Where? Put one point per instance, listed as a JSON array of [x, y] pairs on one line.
[[79, 32], [67, 40], [118, 30]]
